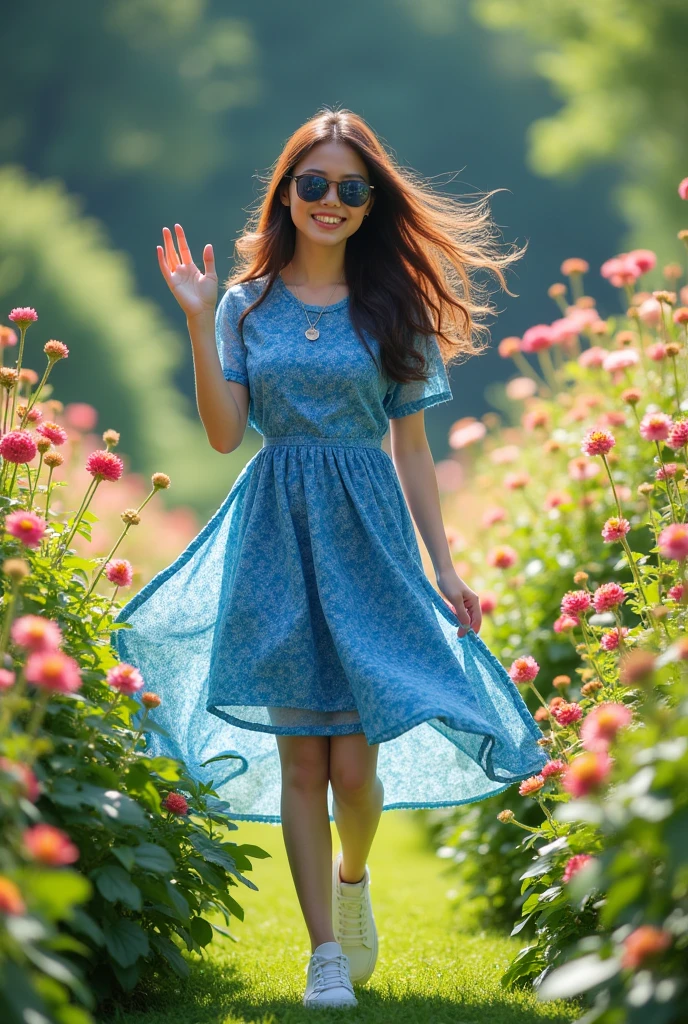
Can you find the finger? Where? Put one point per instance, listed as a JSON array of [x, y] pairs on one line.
[[184, 250], [209, 259], [170, 251], [163, 265]]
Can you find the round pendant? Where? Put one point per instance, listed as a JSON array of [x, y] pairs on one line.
[[312, 334]]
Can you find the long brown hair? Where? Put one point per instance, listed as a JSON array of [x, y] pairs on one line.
[[409, 267]]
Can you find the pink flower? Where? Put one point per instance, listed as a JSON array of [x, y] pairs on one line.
[[615, 528], [553, 769], [175, 803], [55, 433], [495, 514], [645, 942], [609, 641], [7, 679], [593, 357], [678, 434], [23, 776], [586, 773], [55, 350], [650, 312], [597, 442], [619, 270], [537, 338], [575, 603], [580, 469], [53, 670], [567, 714], [675, 592], [502, 557], [125, 678], [683, 188], [466, 434], [23, 316], [50, 845], [516, 481], [667, 472], [11, 901], [105, 465], [524, 670], [531, 785], [488, 601], [574, 865], [36, 633], [655, 426], [673, 541], [656, 352], [644, 259], [620, 359], [608, 596], [565, 623], [18, 446], [81, 416], [27, 527], [602, 724], [119, 571]]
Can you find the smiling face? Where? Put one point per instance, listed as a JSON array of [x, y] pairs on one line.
[[327, 221]]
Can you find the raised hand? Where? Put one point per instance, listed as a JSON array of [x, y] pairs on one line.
[[195, 292]]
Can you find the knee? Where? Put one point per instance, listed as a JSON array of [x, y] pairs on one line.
[[351, 784], [306, 770]]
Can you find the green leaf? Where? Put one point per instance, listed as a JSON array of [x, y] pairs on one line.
[[125, 941], [253, 851], [151, 857], [85, 925], [57, 892], [115, 885], [221, 757], [201, 931], [172, 954], [578, 976], [125, 855], [217, 853], [128, 977]]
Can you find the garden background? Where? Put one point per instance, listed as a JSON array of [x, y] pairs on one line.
[[119, 118]]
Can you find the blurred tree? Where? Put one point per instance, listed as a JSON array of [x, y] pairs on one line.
[[620, 67], [122, 354]]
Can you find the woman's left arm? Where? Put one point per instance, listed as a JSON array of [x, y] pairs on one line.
[[416, 471]]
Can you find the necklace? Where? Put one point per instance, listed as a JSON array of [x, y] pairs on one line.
[[312, 332]]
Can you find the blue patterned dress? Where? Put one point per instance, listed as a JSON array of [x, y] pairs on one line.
[[303, 607]]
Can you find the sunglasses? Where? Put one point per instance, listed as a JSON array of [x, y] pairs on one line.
[[311, 187]]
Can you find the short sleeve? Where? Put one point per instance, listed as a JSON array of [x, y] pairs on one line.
[[404, 399], [230, 347]]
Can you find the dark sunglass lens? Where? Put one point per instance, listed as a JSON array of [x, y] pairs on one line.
[[311, 187], [354, 193]]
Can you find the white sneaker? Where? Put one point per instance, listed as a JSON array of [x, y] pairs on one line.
[[328, 982], [353, 923]]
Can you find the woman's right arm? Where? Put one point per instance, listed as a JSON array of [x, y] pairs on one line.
[[222, 404]]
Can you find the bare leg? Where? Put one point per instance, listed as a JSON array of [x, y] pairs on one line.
[[358, 795], [306, 829]]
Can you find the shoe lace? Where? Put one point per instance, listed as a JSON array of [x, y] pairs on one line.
[[353, 919], [331, 972]]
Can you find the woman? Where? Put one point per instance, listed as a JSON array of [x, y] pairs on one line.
[[302, 610]]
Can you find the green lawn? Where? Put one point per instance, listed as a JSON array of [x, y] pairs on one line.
[[427, 970]]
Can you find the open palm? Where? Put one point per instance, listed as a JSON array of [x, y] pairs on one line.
[[195, 292]]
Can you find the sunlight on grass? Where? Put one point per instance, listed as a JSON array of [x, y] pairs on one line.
[[427, 971]]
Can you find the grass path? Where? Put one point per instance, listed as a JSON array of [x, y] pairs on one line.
[[428, 972]]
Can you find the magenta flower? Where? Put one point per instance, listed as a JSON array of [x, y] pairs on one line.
[[553, 769], [26, 527], [586, 773], [575, 603], [36, 633], [502, 557], [120, 572], [81, 416], [105, 465], [18, 446], [23, 316], [175, 803], [602, 724], [673, 541], [609, 641], [644, 259], [531, 785], [678, 435], [524, 670], [683, 188], [667, 472], [574, 865], [53, 431], [676, 592], [7, 679], [567, 714], [53, 670], [608, 596], [537, 338], [125, 678], [615, 528], [597, 442], [655, 426]]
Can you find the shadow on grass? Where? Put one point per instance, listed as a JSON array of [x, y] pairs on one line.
[[216, 995]]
